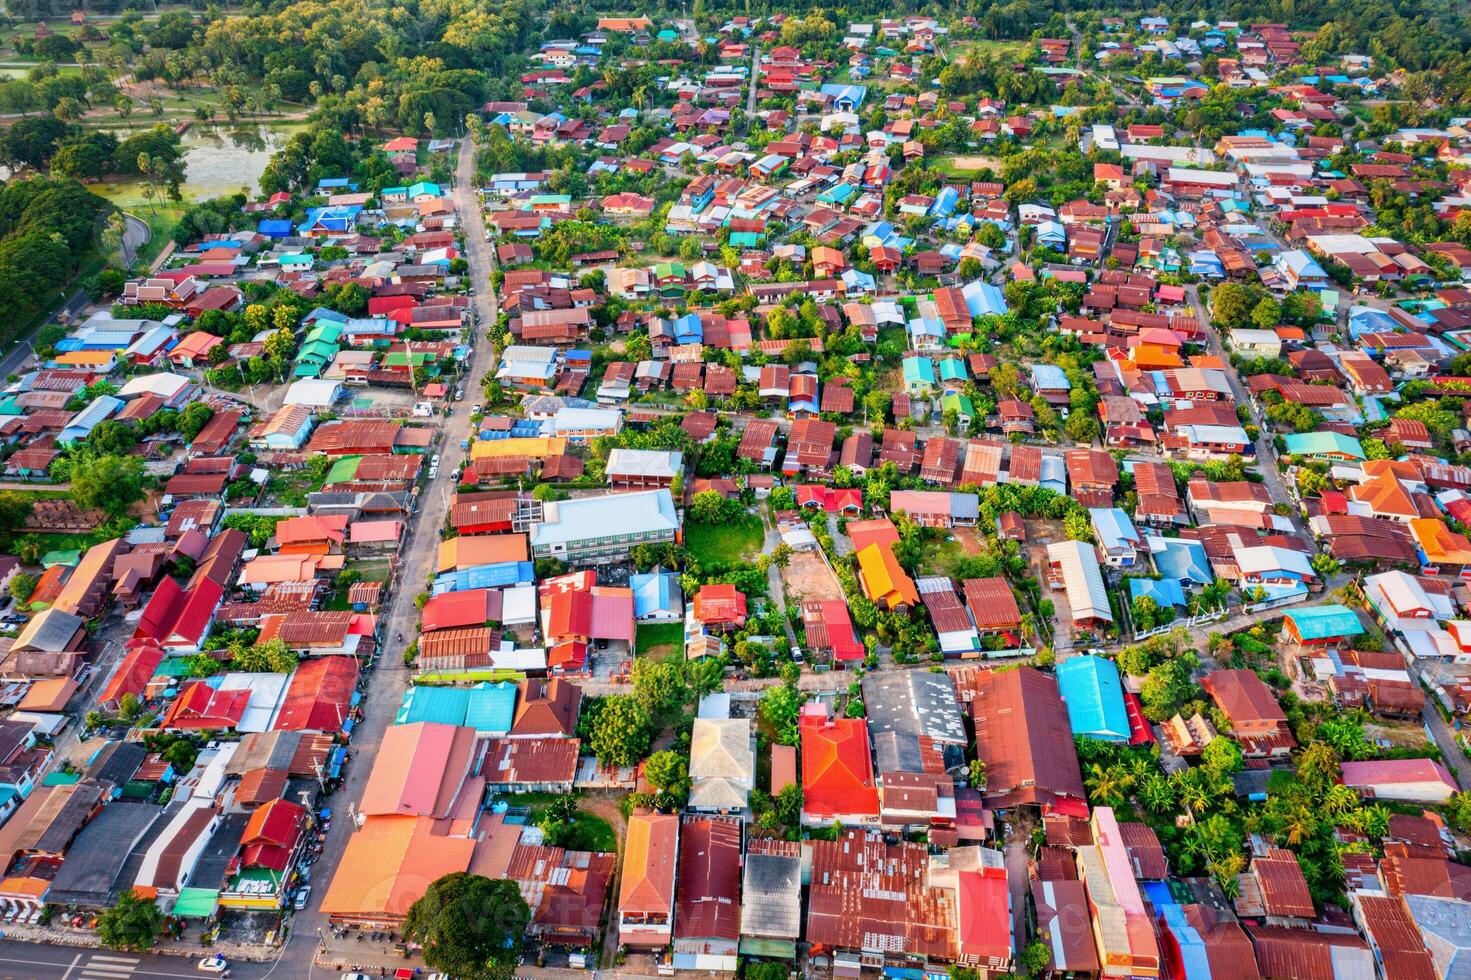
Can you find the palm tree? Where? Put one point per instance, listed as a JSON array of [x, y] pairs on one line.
[[1106, 787]]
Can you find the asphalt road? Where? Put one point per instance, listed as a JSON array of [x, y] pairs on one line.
[[31, 961], [135, 236]]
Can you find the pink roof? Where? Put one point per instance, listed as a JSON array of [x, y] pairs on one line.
[[409, 767], [374, 532], [1395, 772], [612, 614], [454, 610], [319, 697], [984, 914]]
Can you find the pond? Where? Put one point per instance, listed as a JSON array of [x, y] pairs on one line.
[[220, 160]]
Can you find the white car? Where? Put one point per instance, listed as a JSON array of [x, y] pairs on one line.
[[302, 897], [434, 463], [213, 964], [356, 976]]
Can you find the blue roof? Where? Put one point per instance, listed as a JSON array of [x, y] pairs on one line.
[[654, 592], [1050, 376], [852, 93], [1188, 941], [1095, 698], [485, 577], [1183, 560], [1165, 591], [276, 227], [491, 707], [984, 299], [446, 705], [1325, 622]]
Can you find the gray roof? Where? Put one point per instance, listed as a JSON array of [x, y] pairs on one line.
[[89, 874], [116, 762], [51, 631], [263, 750], [771, 905], [584, 518], [905, 706], [214, 860]]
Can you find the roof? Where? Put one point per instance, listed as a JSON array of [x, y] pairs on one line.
[[722, 763], [1024, 738], [417, 769], [883, 578], [771, 890], [1082, 578], [389, 862], [1396, 772], [1243, 696], [909, 711], [583, 518], [651, 847], [1094, 696], [837, 768], [1324, 622], [319, 696], [709, 880]]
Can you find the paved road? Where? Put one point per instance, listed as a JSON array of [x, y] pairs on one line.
[[1266, 455], [31, 961], [752, 84], [135, 236]]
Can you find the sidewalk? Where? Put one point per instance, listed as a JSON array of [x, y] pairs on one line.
[[87, 939]]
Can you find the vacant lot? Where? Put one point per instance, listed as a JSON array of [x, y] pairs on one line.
[[660, 640], [808, 576], [724, 544], [969, 164]]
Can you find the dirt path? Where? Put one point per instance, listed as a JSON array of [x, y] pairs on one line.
[[608, 808]]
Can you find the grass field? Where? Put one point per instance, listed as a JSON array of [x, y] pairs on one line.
[[587, 832], [726, 544], [660, 640]]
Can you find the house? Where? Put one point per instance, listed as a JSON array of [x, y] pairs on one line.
[[1074, 566], [720, 607], [722, 766], [643, 468], [771, 898], [1257, 721], [1094, 696], [1024, 737], [592, 530], [1411, 780], [837, 770], [884, 581], [646, 892], [707, 923], [1118, 541]]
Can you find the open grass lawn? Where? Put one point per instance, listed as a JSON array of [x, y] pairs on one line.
[[587, 832], [941, 557], [727, 544], [660, 640], [67, 542]]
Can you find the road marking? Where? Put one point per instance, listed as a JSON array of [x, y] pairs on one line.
[[73, 965], [128, 960]]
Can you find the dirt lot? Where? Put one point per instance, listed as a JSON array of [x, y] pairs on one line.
[[808, 576]]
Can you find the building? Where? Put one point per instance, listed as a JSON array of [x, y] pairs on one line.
[[771, 899], [1074, 566], [646, 892], [837, 770], [1123, 926], [643, 469], [1257, 721], [1094, 697], [1412, 780], [707, 922], [1025, 739], [591, 530], [722, 767]]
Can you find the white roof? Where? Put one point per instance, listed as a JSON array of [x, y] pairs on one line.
[[644, 462], [1082, 579], [518, 605], [1269, 558], [266, 693], [573, 419], [313, 392], [163, 385], [570, 521]]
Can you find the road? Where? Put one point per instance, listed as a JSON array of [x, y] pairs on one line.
[[1266, 455], [752, 84], [135, 236], [30, 961]]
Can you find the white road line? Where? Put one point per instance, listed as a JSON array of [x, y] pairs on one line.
[[128, 960], [75, 960]]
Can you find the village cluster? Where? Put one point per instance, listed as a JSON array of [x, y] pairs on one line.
[[1025, 509]]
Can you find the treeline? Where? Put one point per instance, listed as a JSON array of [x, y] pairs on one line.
[[48, 230], [67, 150]]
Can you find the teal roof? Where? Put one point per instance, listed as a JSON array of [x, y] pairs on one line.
[[952, 369], [1322, 444], [446, 705], [491, 707], [744, 239], [1095, 698], [1324, 622], [920, 369]]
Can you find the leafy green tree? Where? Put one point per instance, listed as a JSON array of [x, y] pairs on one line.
[[1035, 958], [22, 584], [788, 804], [194, 417], [781, 706], [617, 730], [270, 657], [660, 686], [132, 924], [1167, 687], [469, 925], [668, 772], [976, 774], [109, 483]]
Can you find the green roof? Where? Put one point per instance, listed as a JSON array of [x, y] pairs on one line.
[[744, 239], [952, 369], [343, 470], [196, 903], [958, 402], [61, 558], [401, 358], [1323, 622], [1322, 444]]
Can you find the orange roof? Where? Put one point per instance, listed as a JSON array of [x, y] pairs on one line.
[[648, 863], [19, 885], [389, 864], [481, 549], [1150, 357], [878, 531], [49, 694], [883, 579], [837, 767], [1440, 544], [1385, 495]]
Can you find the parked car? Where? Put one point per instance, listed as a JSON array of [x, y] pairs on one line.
[[303, 895]]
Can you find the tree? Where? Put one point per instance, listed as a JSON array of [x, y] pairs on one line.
[[788, 803], [111, 484], [1036, 957], [270, 657], [1222, 757], [1077, 525], [468, 924], [195, 416], [780, 706], [668, 772], [659, 686], [132, 924], [1266, 314], [976, 777], [15, 510], [22, 584], [1167, 687], [618, 730]]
